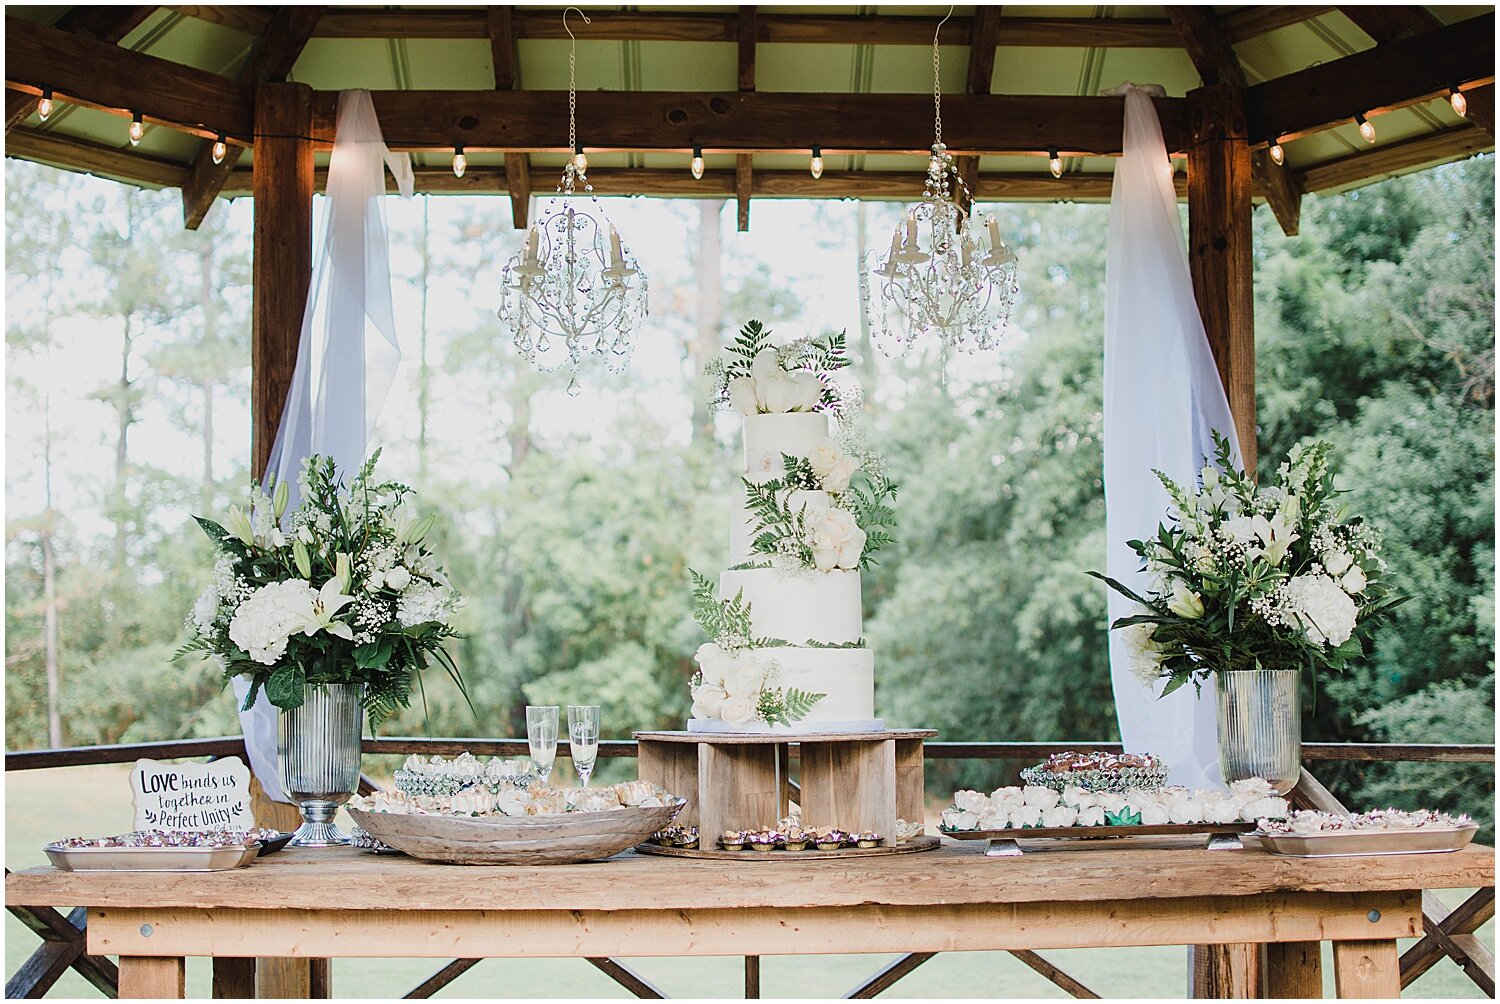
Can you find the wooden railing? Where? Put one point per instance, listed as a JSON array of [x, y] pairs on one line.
[[1448, 933]]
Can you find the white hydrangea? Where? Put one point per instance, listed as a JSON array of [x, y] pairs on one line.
[[1142, 655], [422, 601], [268, 617], [1322, 609]]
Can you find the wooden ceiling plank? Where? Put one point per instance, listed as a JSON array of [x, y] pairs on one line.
[[287, 34], [518, 185], [744, 179], [1390, 22], [1207, 45], [757, 122], [745, 36], [103, 75], [93, 158], [1482, 107], [1391, 75], [18, 108], [983, 38], [1393, 158], [103, 23], [252, 20], [1252, 22], [500, 26]]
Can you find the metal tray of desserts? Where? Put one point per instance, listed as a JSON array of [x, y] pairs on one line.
[[1362, 843], [151, 859]]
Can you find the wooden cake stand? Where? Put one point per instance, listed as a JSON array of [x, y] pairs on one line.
[[855, 781]]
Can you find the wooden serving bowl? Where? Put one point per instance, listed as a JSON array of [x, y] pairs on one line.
[[559, 839]]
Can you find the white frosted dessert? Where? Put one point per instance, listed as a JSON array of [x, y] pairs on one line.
[[797, 606]]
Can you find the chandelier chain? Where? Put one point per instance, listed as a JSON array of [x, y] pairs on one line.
[[573, 78], [937, 82]]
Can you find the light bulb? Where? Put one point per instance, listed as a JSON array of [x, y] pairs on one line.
[[1365, 128], [1278, 155], [815, 166], [697, 165], [460, 162], [137, 129], [1455, 98], [1054, 162], [580, 162], [44, 106], [220, 149]]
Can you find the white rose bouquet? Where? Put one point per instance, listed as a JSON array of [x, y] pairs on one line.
[[1250, 577], [759, 378], [342, 590]]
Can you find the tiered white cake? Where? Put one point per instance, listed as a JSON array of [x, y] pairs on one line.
[[817, 613]]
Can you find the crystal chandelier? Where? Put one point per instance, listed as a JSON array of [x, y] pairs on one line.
[[568, 294], [962, 284]]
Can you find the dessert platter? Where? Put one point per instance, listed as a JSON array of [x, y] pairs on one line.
[[1107, 809], [512, 823], [1313, 834], [788, 841], [165, 850]]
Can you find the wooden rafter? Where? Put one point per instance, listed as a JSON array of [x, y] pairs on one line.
[[1393, 158], [818, 29], [1393, 21], [105, 23], [102, 75], [500, 27], [518, 185], [1393, 75], [1482, 107], [290, 28], [1208, 45], [744, 182], [983, 37], [18, 107], [745, 37], [96, 158]]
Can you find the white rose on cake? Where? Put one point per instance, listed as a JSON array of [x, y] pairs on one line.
[[708, 700], [744, 677], [837, 541], [738, 710], [824, 456], [742, 395]]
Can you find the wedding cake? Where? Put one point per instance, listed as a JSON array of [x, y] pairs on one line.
[[787, 617]]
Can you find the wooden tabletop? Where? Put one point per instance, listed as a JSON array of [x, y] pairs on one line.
[[1145, 869], [783, 738]]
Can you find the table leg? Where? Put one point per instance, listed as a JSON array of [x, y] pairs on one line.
[[234, 978], [145, 977], [1366, 969], [1294, 970], [1230, 971]]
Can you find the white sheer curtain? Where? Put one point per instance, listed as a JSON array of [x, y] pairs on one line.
[[347, 354], [1162, 399]]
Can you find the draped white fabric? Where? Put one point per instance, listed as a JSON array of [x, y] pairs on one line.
[[347, 354], [1162, 399]]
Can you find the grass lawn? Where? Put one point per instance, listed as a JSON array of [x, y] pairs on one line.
[[46, 805]]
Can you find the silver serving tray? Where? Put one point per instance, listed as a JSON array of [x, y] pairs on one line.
[[1361, 843], [151, 859]]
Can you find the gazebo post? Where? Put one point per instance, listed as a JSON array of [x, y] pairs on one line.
[[281, 274], [1220, 245], [282, 271]]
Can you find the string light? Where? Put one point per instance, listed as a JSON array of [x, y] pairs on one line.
[[1459, 102], [44, 106], [1365, 128], [460, 162], [1278, 155], [580, 162], [137, 129], [697, 165], [1054, 162], [815, 166], [220, 149]]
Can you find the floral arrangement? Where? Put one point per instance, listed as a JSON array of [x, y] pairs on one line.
[[347, 593], [734, 682], [842, 528], [759, 378], [1254, 577]]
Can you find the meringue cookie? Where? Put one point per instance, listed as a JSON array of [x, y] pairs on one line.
[[1092, 815], [960, 819], [1262, 808], [1059, 815], [1155, 814], [1187, 810], [1041, 798], [1025, 815], [971, 801]]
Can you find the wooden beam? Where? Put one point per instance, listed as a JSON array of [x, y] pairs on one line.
[[282, 268], [18, 107], [888, 977], [1281, 188], [743, 181], [983, 37], [1294, 970], [105, 76], [1388, 76], [1232, 971], [752, 977], [442, 978], [745, 37], [94, 158], [500, 27], [1220, 247], [245, 18], [755, 122], [53, 927], [627, 978], [518, 185], [1393, 21], [1386, 161], [1482, 107], [1472, 914], [1055, 975], [286, 36], [1252, 22], [234, 978], [103, 22]]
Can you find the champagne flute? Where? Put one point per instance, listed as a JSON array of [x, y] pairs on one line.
[[541, 737], [583, 739]]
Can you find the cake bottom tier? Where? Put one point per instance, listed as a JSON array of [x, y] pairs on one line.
[[845, 676]]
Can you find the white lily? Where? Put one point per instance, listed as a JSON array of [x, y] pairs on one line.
[[329, 601]]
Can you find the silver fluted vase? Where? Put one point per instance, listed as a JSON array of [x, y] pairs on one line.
[[1260, 726], [318, 745]]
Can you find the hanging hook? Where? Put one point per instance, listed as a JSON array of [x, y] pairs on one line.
[[587, 21], [935, 31]]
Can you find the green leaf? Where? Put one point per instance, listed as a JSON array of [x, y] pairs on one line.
[[284, 688]]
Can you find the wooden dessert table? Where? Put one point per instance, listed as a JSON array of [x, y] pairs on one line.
[[344, 903]]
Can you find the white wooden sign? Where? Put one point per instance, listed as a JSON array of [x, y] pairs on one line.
[[197, 797]]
